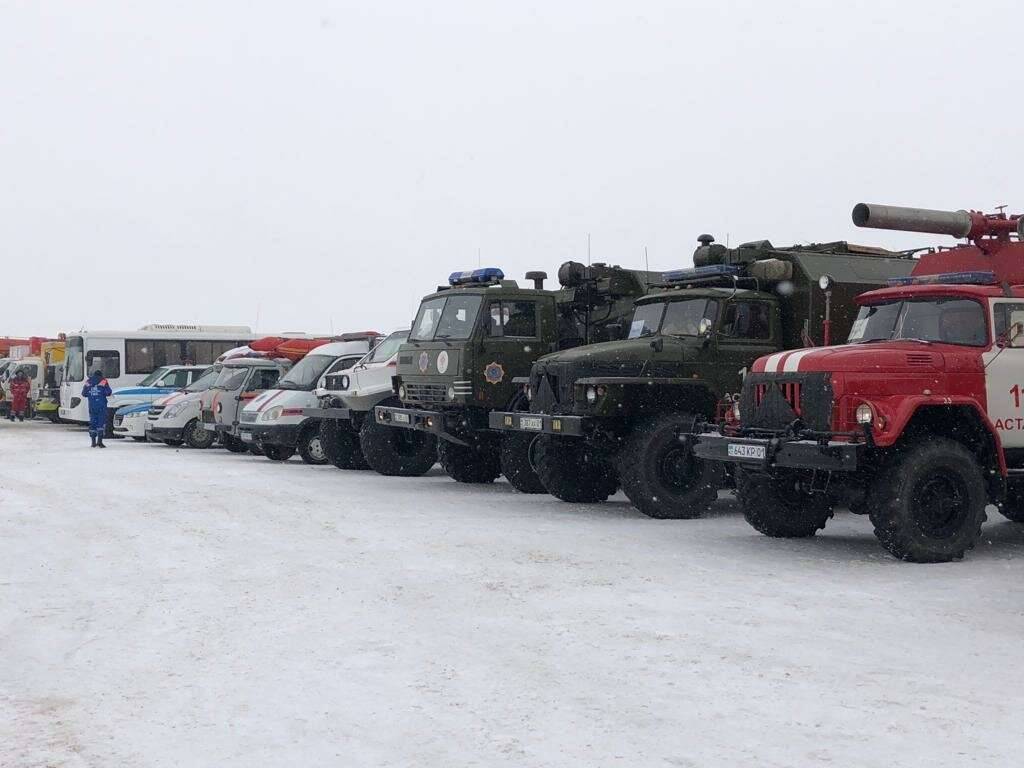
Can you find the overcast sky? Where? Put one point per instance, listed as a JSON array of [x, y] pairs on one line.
[[322, 165]]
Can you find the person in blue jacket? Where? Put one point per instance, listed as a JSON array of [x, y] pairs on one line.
[[96, 391]]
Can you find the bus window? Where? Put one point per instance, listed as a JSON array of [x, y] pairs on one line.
[[108, 362], [74, 361]]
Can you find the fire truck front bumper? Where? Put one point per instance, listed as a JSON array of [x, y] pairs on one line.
[[761, 453], [538, 423]]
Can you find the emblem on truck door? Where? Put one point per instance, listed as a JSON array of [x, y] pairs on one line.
[[424, 362], [494, 373]]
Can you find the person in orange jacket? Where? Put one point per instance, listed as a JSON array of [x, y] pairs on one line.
[[20, 388]]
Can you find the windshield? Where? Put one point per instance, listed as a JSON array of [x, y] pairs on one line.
[[387, 348], [306, 372], [446, 317], [672, 318], [230, 378], [152, 378], [74, 360], [204, 382], [948, 321]]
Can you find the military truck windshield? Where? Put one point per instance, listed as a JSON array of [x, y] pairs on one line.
[[946, 321], [230, 378], [672, 318], [305, 374], [446, 317]]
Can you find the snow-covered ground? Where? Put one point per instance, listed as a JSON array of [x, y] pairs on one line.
[[163, 607]]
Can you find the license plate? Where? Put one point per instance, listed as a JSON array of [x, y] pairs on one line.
[[741, 451], [246, 437], [401, 418], [531, 422]]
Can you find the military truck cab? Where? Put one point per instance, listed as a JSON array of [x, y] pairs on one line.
[[620, 412], [916, 421], [469, 342]]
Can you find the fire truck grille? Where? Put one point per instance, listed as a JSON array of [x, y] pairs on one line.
[[776, 401]]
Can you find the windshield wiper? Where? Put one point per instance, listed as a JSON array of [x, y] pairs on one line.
[[911, 338]]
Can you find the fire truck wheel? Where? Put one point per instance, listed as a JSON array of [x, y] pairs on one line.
[[777, 506], [197, 437], [395, 451], [928, 502], [571, 473], [277, 452], [515, 463], [341, 445], [469, 465], [311, 449], [233, 444], [660, 474], [1013, 506]]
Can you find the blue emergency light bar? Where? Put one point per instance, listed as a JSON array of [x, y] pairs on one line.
[[947, 278], [701, 273], [485, 275]]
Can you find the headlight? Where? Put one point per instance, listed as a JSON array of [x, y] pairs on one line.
[[273, 414], [174, 410], [451, 392], [529, 392], [865, 413], [736, 410], [401, 391], [591, 395]]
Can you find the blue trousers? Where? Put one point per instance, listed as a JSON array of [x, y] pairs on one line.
[[97, 423]]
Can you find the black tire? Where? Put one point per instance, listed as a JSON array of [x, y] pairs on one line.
[[394, 451], [196, 436], [277, 452], [660, 474], [173, 443], [138, 439], [570, 472], [233, 444], [341, 445], [516, 466], [777, 506], [311, 450], [466, 464], [109, 431], [928, 502], [1012, 507], [54, 417], [255, 449]]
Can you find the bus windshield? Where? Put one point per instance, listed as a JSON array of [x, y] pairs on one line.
[[446, 317], [74, 360], [946, 321]]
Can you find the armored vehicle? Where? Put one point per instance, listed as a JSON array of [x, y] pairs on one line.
[[917, 420], [620, 412], [469, 342]]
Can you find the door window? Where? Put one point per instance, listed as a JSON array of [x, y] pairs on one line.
[[264, 378], [516, 319], [177, 379], [747, 320]]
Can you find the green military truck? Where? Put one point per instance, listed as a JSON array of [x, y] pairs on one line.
[[619, 412], [470, 341]]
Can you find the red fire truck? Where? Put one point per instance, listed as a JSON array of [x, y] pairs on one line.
[[916, 421]]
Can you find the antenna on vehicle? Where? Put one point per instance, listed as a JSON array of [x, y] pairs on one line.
[[588, 249], [647, 269]]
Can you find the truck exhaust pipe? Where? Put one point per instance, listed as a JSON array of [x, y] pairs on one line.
[[959, 224]]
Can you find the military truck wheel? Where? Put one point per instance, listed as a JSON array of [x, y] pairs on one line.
[[277, 452], [465, 464], [1013, 506], [515, 463], [660, 474], [928, 502], [394, 451], [311, 448], [570, 472], [341, 446], [196, 436], [233, 444], [777, 506]]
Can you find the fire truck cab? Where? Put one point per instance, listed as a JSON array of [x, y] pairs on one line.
[[916, 421]]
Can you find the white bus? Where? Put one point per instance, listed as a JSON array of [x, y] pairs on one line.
[[126, 357]]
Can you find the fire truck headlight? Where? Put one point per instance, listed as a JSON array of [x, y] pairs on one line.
[[865, 413]]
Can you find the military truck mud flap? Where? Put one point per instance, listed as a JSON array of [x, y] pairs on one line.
[[413, 418], [759, 453], [537, 423], [339, 414]]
